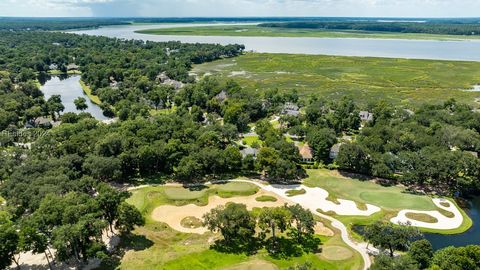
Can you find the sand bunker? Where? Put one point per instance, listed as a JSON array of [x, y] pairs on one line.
[[320, 229], [173, 215], [443, 222], [316, 198]]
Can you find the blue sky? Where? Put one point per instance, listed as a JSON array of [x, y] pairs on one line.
[[228, 8]]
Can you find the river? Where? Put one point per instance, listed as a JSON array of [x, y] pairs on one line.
[[466, 50], [69, 88]]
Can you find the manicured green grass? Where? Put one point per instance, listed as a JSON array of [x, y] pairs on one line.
[[231, 189], [157, 246], [254, 31], [422, 217], [400, 81], [266, 198], [251, 140], [295, 192], [88, 91], [389, 198]]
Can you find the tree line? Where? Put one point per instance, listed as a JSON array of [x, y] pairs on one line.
[[406, 249], [434, 147], [437, 27]]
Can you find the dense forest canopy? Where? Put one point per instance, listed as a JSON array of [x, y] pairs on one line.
[[133, 65], [440, 27], [59, 192]]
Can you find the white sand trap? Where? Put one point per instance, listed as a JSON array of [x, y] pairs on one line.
[[173, 215], [237, 73], [443, 222], [316, 198]]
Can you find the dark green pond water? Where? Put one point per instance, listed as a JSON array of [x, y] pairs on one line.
[[470, 237]]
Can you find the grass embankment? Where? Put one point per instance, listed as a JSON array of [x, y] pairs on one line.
[[389, 199], [422, 217], [255, 31], [400, 81], [59, 72], [295, 192], [266, 198], [88, 91], [157, 246]]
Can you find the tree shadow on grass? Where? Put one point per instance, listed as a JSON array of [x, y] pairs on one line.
[[285, 248], [135, 242], [127, 242], [247, 247]]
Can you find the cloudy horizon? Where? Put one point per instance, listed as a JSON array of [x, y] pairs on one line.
[[240, 8]]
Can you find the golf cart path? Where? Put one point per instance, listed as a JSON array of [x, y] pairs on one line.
[[443, 222], [280, 191]]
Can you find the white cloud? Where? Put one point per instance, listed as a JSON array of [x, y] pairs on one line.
[[224, 8]]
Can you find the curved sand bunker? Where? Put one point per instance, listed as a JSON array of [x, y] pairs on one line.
[[317, 198], [173, 215], [443, 222]]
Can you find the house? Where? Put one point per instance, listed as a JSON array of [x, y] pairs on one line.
[[39, 122], [53, 67], [306, 153], [72, 67], [475, 154], [249, 151], [291, 109], [162, 77], [222, 96], [366, 116], [165, 80], [334, 151]]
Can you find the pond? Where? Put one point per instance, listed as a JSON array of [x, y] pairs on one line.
[[470, 237], [467, 50], [69, 88]]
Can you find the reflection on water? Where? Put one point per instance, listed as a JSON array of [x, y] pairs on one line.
[[69, 88], [396, 48]]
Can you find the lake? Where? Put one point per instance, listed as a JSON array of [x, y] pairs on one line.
[[467, 50], [69, 88]]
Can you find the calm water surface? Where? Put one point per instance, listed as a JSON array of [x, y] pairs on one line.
[[396, 48], [470, 237], [69, 88]]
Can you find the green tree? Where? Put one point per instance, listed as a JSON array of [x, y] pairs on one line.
[[386, 235], [422, 252], [234, 222], [80, 103], [352, 157], [55, 106], [128, 218], [9, 241], [321, 141], [272, 219], [303, 221]]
